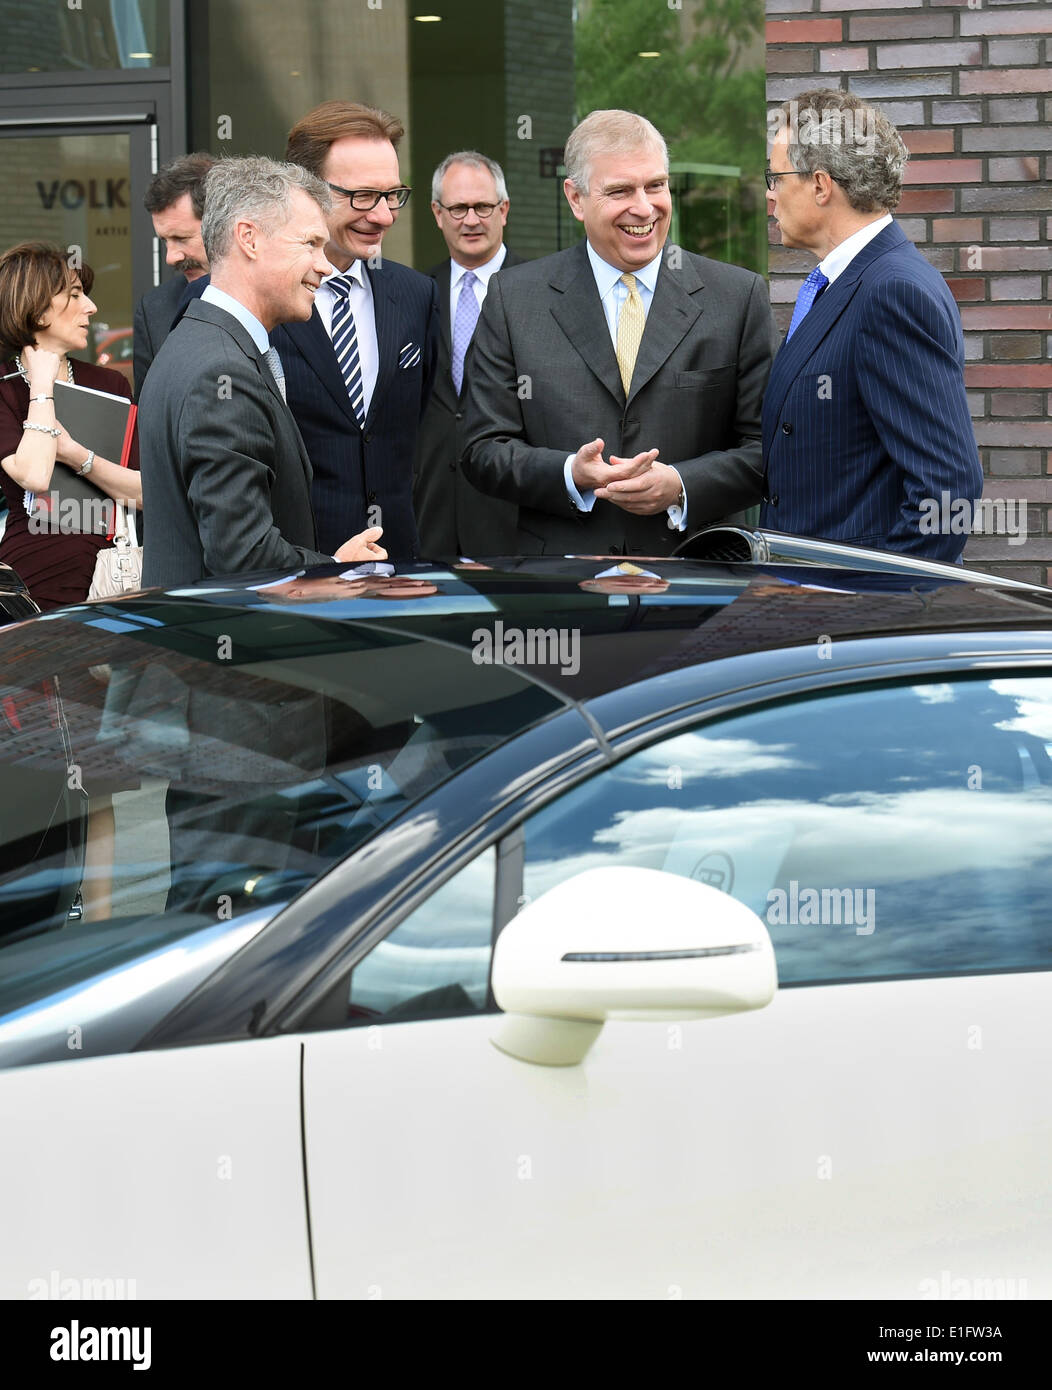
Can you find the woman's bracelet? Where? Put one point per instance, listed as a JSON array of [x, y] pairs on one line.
[[44, 429]]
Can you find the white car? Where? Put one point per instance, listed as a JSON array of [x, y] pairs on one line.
[[704, 954]]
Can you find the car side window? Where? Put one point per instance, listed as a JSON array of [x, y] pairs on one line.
[[436, 962], [882, 831]]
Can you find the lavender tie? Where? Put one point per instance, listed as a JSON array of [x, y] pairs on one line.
[[464, 326], [809, 292]]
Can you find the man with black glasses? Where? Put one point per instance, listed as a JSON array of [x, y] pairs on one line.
[[470, 201], [359, 372]]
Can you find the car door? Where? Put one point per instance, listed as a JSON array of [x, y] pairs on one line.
[[881, 1129], [148, 1175]]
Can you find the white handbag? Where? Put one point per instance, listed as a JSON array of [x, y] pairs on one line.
[[118, 568]]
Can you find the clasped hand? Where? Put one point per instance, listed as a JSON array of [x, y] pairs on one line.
[[640, 485]]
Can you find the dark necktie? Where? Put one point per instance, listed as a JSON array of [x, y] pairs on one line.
[[345, 344]]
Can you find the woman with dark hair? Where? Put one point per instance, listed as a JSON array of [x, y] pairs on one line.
[[44, 316]]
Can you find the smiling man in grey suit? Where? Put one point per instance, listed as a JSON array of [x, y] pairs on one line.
[[615, 388], [223, 463]]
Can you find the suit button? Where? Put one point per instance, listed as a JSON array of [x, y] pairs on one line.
[[452, 468], [773, 500], [459, 415], [372, 497], [368, 439], [787, 428]]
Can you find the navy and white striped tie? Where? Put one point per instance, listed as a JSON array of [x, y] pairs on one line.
[[345, 344]]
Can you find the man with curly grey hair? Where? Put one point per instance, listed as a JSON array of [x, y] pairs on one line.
[[867, 436]]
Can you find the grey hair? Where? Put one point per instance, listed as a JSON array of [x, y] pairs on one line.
[[256, 190], [608, 132], [474, 160], [853, 142]]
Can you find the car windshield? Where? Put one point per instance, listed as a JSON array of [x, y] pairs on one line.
[[170, 765]]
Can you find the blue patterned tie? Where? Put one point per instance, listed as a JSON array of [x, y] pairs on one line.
[[809, 292], [345, 344], [464, 326]]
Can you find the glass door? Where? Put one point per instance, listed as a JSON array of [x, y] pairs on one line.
[[81, 187]]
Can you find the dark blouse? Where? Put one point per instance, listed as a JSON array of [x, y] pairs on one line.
[[56, 567]]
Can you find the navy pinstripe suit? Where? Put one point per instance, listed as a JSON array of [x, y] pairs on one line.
[[866, 415], [355, 468]]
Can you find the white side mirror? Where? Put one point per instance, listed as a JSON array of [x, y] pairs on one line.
[[624, 943]]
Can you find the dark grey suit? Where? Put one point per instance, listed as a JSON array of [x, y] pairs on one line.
[[452, 516], [154, 315], [223, 464], [544, 380]]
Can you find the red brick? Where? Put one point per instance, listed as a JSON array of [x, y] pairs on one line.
[[1038, 434], [843, 60], [924, 171], [1037, 20], [790, 59], [1010, 316], [968, 229], [926, 200], [804, 31], [1015, 228], [901, 26], [1006, 80], [929, 141], [974, 288], [928, 55], [1022, 170], [1039, 375]]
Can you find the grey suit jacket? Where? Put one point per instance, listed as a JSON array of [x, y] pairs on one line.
[[154, 315], [225, 476], [452, 516], [544, 380]]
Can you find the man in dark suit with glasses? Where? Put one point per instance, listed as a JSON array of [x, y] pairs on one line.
[[469, 199], [359, 372]]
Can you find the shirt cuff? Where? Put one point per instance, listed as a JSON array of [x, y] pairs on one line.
[[677, 516], [584, 502]]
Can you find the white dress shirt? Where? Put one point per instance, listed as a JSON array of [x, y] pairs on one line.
[[245, 317], [361, 302], [482, 275], [841, 256], [612, 294]]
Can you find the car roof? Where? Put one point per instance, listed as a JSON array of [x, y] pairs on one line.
[[631, 619]]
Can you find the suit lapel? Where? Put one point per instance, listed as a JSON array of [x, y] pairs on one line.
[[578, 311], [676, 307], [211, 313], [388, 324], [315, 346], [821, 317]]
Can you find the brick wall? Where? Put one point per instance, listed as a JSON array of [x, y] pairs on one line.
[[970, 90]]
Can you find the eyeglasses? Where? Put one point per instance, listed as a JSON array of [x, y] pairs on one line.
[[460, 210], [365, 199], [771, 178]]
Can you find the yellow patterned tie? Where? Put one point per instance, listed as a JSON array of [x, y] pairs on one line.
[[630, 324]]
